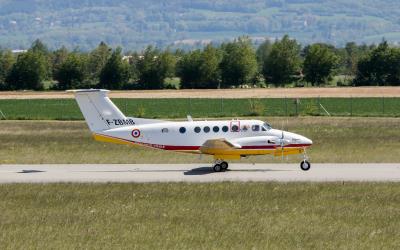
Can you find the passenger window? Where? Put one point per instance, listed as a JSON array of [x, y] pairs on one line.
[[245, 128], [235, 128], [197, 129], [225, 128], [206, 129], [216, 129], [255, 128], [164, 130], [182, 130]]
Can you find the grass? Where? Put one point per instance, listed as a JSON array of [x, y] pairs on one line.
[[200, 216], [67, 109], [339, 140]]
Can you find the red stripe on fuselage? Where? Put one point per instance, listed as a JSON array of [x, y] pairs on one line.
[[173, 147]]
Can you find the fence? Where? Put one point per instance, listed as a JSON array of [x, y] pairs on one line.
[[67, 109]]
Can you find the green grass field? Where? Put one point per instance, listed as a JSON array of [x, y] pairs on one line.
[[200, 216], [67, 109], [336, 139]]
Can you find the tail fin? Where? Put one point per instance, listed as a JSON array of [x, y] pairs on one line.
[[99, 111]]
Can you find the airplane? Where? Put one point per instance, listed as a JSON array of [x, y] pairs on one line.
[[224, 140]]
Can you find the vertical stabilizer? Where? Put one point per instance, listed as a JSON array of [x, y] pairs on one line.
[[99, 111]]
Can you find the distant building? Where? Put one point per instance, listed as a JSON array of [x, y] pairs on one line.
[[18, 51]]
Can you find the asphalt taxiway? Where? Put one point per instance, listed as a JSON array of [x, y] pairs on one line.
[[92, 173]]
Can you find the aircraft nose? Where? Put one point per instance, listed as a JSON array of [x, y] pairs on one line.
[[306, 141]]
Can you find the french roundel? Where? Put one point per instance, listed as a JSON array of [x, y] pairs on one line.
[[136, 133]]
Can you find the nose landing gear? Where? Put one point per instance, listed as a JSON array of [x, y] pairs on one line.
[[305, 165], [220, 165]]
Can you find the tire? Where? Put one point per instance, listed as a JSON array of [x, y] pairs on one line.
[[305, 165], [224, 165], [217, 168]]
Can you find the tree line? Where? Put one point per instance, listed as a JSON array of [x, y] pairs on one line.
[[232, 64]]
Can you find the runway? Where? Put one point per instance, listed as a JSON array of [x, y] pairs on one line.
[[140, 173]]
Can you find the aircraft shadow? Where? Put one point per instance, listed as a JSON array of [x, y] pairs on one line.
[[209, 170], [130, 171], [30, 171], [195, 171]]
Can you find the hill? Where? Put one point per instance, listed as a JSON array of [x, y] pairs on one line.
[[134, 24]]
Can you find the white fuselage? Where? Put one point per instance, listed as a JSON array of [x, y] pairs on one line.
[[190, 135]]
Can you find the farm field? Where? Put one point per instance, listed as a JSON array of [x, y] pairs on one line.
[[200, 216], [67, 109], [307, 92], [335, 140]]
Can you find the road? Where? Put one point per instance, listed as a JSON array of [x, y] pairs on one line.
[[101, 173]]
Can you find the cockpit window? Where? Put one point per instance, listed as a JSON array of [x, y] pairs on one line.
[[266, 127]]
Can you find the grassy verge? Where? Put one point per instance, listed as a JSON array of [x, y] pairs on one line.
[[363, 140], [200, 216], [67, 109]]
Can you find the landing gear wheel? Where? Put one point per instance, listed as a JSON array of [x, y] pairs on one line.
[[224, 165], [305, 165], [217, 168]]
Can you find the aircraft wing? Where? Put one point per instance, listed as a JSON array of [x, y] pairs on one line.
[[219, 147]]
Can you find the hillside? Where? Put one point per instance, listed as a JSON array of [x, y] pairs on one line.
[[134, 24]]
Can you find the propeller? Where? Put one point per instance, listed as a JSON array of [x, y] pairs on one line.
[[282, 143]]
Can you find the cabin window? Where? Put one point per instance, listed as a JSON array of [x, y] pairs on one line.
[[235, 128], [245, 128], [225, 128], [197, 129], [164, 130], [255, 127], [182, 130], [216, 129], [206, 129]]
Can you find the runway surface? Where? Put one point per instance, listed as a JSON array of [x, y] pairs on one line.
[[196, 173]]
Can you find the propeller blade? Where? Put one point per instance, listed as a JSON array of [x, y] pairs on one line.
[[282, 145]]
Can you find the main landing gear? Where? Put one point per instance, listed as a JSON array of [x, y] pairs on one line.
[[220, 165]]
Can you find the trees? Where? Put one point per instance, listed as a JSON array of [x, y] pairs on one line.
[[379, 67], [230, 64], [72, 72], [263, 52], [7, 60], [116, 72], [200, 69], [319, 63], [97, 59], [283, 62], [153, 67], [238, 65], [39, 47], [58, 57], [209, 67], [147, 69], [28, 72]]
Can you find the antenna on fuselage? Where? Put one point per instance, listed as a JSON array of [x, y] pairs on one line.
[[189, 118]]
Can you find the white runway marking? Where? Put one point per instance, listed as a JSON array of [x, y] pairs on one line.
[[48, 173]]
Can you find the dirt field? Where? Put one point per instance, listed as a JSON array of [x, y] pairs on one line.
[[223, 93]]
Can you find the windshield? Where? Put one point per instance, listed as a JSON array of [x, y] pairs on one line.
[[266, 126]]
